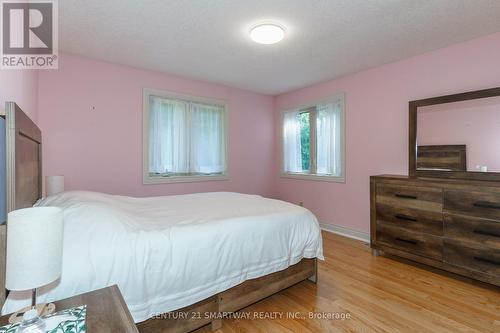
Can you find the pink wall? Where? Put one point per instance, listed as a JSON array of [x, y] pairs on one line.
[[101, 149], [475, 123], [377, 121], [20, 86]]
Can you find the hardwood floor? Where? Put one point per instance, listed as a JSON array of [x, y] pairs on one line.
[[379, 294]]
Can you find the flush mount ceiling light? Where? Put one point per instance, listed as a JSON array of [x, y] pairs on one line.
[[267, 33]]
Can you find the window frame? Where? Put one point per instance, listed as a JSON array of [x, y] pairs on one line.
[[146, 177], [311, 108]]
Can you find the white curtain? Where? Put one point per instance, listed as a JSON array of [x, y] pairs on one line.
[[168, 135], [292, 157], [185, 137], [207, 139], [328, 134]]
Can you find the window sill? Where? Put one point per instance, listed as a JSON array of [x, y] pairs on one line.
[[320, 178], [148, 180]]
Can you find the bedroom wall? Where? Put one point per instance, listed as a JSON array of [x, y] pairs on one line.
[[101, 149], [377, 121], [20, 86]]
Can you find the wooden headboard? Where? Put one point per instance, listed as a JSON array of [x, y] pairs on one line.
[[443, 157], [23, 156]]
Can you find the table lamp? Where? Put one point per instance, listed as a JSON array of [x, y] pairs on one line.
[[34, 256], [54, 184]]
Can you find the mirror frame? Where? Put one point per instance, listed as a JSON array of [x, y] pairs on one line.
[[412, 148]]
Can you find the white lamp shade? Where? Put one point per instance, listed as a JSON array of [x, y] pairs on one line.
[[34, 247], [54, 184]]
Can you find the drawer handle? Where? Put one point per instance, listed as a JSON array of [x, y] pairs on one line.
[[406, 241], [486, 204], [486, 233], [405, 218], [488, 261], [406, 196]]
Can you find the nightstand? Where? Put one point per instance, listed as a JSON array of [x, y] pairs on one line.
[[106, 311]]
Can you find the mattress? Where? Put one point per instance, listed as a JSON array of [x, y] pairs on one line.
[[165, 253]]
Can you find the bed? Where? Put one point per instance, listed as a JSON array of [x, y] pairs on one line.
[[207, 253]]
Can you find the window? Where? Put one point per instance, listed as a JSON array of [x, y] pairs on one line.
[[184, 138], [313, 141]]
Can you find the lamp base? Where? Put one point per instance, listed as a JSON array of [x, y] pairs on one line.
[[42, 309], [32, 323]]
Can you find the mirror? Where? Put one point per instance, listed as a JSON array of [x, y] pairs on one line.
[[459, 136], [456, 136]]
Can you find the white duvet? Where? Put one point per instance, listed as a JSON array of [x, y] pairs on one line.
[[168, 252]]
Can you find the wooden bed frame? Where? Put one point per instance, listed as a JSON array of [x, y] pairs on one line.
[[24, 188], [443, 157], [212, 309], [23, 157]]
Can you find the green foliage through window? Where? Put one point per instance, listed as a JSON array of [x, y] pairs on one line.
[[304, 139]]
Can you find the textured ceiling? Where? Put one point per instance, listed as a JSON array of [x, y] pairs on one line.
[[325, 39]]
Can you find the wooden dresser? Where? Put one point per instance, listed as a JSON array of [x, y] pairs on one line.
[[450, 224]]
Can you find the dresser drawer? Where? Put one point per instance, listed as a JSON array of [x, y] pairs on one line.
[[472, 257], [424, 198], [480, 204], [485, 233], [410, 241], [412, 219]]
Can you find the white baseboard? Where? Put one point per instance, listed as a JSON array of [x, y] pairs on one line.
[[343, 231]]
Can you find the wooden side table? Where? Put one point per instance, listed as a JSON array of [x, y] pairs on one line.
[[106, 311]]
